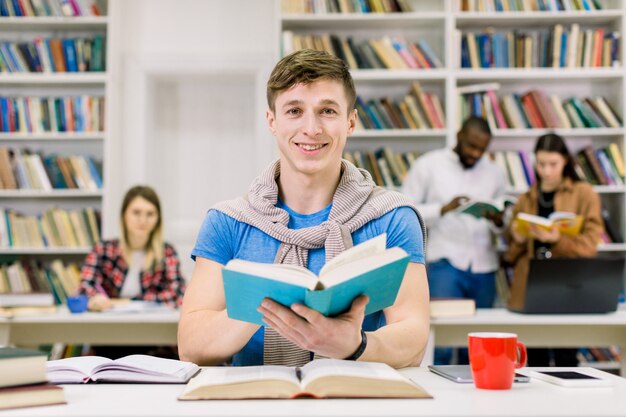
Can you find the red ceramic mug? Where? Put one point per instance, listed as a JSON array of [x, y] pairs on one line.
[[494, 358]]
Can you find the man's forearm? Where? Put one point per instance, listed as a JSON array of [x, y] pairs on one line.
[[208, 337], [398, 344]]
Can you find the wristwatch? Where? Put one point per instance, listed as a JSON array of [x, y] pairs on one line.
[[359, 351]]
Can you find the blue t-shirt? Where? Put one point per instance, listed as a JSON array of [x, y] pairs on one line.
[[222, 238]]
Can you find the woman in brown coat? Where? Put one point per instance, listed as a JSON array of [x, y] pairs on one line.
[[557, 188]]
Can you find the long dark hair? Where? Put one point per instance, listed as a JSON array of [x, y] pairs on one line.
[[551, 142]]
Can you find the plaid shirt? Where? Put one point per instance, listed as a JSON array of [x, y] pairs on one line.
[[105, 266]]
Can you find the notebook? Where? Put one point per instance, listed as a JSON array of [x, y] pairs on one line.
[[573, 286]]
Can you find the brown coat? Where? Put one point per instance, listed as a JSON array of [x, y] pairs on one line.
[[576, 197]]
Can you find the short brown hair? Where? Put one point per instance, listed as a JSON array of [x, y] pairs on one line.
[[306, 66]]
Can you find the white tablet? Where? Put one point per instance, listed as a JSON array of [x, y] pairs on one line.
[[569, 378]]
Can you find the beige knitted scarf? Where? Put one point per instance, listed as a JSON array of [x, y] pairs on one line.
[[356, 202]]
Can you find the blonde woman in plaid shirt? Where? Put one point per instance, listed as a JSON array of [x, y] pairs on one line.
[[140, 265]]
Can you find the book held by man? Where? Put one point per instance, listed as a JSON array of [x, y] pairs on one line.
[[322, 378], [368, 268], [482, 208], [568, 223], [132, 368]]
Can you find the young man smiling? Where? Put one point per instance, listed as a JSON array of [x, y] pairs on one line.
[[305, 208]]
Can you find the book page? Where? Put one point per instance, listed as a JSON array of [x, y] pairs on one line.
[[532, 218], [144, 368], [291, 274], [145, 364], [76, 369], [362, 250], [557, 215], [226, 375], [336, 367], [348, 270], [245, 382]]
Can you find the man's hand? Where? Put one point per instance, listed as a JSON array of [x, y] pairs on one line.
[[338, 337], [494, 217], [454, 203]]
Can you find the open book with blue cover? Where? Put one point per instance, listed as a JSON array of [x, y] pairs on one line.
[[367, 268]]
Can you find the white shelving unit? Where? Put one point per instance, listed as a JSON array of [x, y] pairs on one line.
[[65, 143], [55, 252], [437, 21]]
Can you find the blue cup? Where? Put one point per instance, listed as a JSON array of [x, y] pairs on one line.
[[78, 303]]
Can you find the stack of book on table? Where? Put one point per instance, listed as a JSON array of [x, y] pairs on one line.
[[452, 307], [23, 380]]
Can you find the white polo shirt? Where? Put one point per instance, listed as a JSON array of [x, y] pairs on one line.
[[436, 178]]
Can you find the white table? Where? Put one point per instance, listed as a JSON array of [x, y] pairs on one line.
[[536, 398], [536, 330], [158, 327]]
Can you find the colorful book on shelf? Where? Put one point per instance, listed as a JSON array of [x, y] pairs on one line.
[[587, 157], [452, 307], [10, 312], [569, 224], [26, 299], [375, 170], [132, 368], [368, 268], [613, 232], [321, 378]]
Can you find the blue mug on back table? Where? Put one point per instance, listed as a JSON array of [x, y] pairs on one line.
[[77, 303]]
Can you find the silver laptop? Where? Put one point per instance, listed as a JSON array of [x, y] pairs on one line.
[[462, 374], [573, 286]]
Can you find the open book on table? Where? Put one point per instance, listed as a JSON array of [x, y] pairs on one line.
[[368, 268], [480, 208], [132, 368], [568, 223], [322, 378]]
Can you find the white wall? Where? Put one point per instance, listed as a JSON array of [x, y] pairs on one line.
[[187, 105]]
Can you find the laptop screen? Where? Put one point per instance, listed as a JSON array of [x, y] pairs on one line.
[[573, 285]]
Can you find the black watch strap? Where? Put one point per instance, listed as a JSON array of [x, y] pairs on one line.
[[356, 355]]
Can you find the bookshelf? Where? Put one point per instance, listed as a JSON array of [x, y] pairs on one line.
[[88, 141], [427, 21], [441, 23]]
